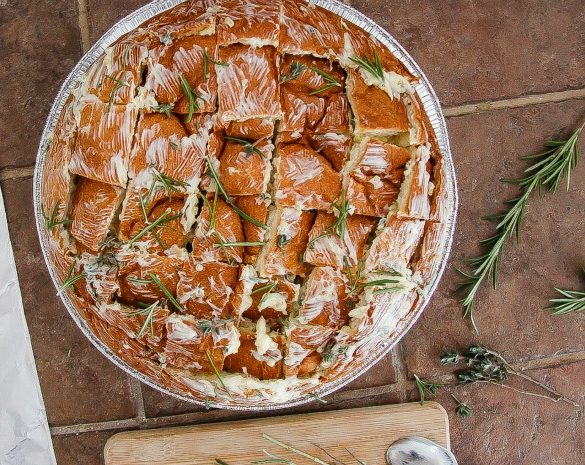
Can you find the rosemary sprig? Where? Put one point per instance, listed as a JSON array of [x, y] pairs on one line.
[[165, 291], [220, 462], [371, 65], [125, 57], [547, 171], [170, 185], [229, 200], [450, 357], [212, 210], [51, 220], [294, 450], [462, 409], [424, 387], [339, 227], [166, 39], [272, 459], [143, 207], [161, 220], [353, 278], [296, 69], [165, 108], [268, 288], [282, 240], [115, 89], [71, 279], [149, 320], [249, 148], [240, 244], [207, 60], [330, 81], [318, 399], [217, 374], [488, 366], [205, 326], [191, 95], [137, 280], [571, 301]]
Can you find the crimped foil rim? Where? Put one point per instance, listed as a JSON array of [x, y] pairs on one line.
[[430, 104]]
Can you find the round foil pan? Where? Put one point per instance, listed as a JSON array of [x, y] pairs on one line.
[[432, 107]]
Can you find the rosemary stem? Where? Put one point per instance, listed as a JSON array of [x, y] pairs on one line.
[[294, 450]]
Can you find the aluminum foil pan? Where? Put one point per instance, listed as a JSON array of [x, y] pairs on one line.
[[404, 322]]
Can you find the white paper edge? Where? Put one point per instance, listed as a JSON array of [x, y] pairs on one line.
[[25, 438]]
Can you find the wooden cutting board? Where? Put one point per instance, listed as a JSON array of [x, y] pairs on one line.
[[366, 432]]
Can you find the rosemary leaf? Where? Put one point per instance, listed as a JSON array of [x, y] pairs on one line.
[[547, 171], [294, 450], [249, 148], [52, 221], [282, 240], [170, 185], [217, 374], [71, 280], [240, 244], [165, 108], [570, 301], [450, 357], [371, 65], [424, 387], [149, 320], [296, 69], [191, 95], [165, 291], [462, 409], [329, 80], [115, 89], [268, 288], [229, 200], [207, 60], [162, 219]]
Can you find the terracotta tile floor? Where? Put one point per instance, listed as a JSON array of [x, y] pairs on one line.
[[509, 74]]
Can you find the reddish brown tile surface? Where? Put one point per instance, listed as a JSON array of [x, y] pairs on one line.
[[84, 386], [475, 50], [511, 319], [103, 14], [81, 449], [511, 428], [39, 44]]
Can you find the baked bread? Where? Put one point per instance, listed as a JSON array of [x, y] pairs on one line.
[[242, 199]]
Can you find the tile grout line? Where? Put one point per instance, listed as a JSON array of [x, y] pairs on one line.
[[137, 398], [516, 102], [16, 173], [93, 427], [83, 22], [401, 386], [400, 368]]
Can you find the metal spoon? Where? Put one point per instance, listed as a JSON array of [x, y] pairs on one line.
[[418, 451]]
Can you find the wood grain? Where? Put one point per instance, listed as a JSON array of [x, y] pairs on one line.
[[367, 432]]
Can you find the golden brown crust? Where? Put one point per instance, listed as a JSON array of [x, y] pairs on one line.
[[309, 29], [388, 117], [305, 179], [92, 210], [250, 83], [374, 181], [255, 22], [103, 143], [205, 289]]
